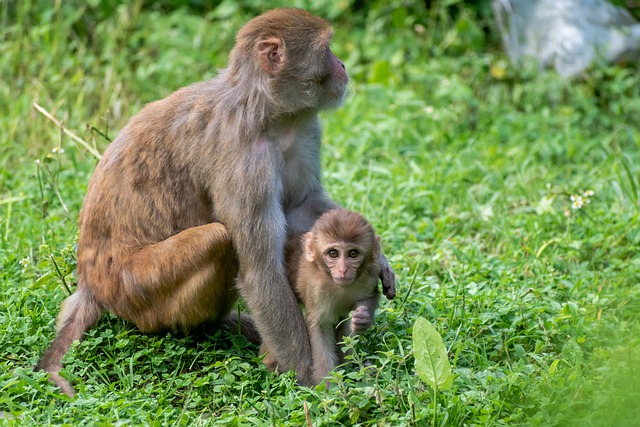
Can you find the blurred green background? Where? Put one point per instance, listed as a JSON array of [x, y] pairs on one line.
[[469, 168]]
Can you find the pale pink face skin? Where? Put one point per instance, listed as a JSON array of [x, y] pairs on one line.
[[339, 70], [334, 84], [341, 77], [343, 261]]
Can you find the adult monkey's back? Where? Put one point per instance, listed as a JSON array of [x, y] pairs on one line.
[[203, 187]]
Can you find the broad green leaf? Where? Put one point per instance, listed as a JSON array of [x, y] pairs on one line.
[[432, 364]]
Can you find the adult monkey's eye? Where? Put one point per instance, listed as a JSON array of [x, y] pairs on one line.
[[353, 253], [333, 253]]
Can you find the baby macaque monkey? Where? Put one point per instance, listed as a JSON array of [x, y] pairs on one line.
[[333, 270]]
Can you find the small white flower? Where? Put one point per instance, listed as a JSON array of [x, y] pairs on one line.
[[577, 201], [57, 150]]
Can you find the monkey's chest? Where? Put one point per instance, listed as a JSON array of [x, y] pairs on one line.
[[298, 180], [338, 303], [294, 185]]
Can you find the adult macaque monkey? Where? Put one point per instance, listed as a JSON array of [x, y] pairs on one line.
[[192, 203], [333, 269]]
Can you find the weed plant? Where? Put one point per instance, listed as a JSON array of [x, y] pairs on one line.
[[507, 200]]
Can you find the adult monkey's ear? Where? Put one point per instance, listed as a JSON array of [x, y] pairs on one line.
[[271, 54]]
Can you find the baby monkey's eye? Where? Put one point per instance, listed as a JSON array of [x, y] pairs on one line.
[[333, 253], [353, 253]]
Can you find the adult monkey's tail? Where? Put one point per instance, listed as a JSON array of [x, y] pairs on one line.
[[79, 312]]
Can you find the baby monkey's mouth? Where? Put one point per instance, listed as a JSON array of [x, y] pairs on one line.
[[344, 281]]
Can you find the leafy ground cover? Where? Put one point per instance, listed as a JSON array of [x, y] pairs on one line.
[[508, 202]]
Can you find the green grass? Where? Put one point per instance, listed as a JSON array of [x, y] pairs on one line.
[[466, 177]]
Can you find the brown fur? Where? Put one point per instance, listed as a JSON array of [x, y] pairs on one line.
[[318, 284], [191, 204], [240, 150]]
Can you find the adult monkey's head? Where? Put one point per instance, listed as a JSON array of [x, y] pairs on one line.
[[287, 51]]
